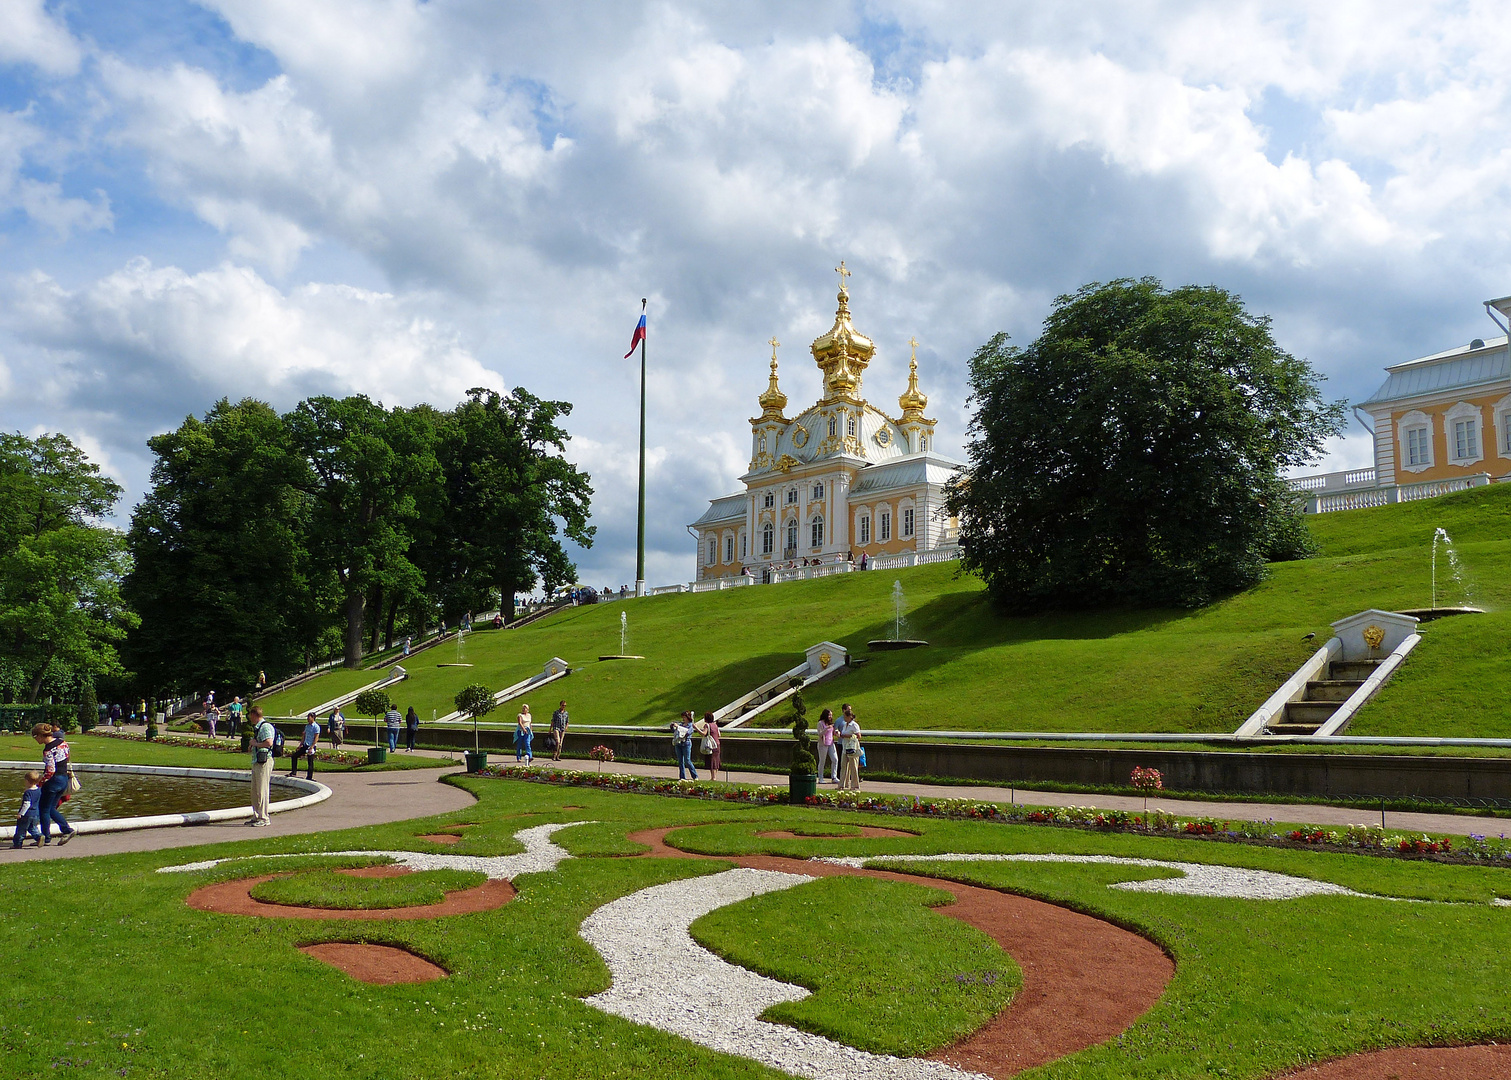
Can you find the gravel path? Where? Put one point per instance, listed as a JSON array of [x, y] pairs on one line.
[[665, 979], [1233, 882], [541, 855]]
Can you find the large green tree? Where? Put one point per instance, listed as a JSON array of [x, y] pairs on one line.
[[511, 496], [1134, 453], [222, 578], [61, 611], [372, 473]]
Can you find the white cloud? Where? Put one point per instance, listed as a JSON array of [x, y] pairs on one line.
[[28, 35], [232, 333], [42, 200]]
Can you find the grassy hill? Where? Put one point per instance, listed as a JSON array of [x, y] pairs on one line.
[[1182, 671]]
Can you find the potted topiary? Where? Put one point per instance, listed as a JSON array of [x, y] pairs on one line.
[[802, 777], [374, 703], [475, 701]]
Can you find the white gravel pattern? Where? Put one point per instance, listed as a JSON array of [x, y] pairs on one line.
[[664, 979], [1201, 879], [541, 855]]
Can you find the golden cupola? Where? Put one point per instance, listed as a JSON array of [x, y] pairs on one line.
[[842, 353], [913, 400], [773, 401]]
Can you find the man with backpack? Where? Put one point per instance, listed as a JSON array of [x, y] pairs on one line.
[[264, 736]]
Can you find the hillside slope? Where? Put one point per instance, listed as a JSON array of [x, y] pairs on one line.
[[1184, 671]]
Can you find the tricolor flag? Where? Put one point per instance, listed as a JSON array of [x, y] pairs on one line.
[[638, 337]]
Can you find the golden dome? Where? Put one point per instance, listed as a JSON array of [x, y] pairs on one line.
[[913, 400], [773, 401], [843, 352]]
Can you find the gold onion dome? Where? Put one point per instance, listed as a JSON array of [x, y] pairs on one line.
[[843, 352], [773, 401], [913, 400]]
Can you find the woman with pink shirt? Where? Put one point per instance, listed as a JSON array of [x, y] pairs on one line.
[[826, 746]]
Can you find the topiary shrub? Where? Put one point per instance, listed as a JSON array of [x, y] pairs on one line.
[[474, 701], [89, 707], [373, 703], [803, 761]]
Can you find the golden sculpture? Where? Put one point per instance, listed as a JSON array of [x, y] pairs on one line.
[[1374, 636]]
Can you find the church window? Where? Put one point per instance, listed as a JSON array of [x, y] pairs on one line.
[[768, 537], [768, 501], [884, 529], [792, 535], [863, 528], [729, 549], [850, 426], [816, 527], [818, 491], [833, 427], [1418, 447], [907, 521]]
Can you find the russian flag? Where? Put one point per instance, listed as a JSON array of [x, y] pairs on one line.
[[638, 337]]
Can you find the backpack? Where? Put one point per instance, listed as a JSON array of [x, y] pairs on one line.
[[277, 742]]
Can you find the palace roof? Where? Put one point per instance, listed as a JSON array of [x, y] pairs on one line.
[[1461, 368]]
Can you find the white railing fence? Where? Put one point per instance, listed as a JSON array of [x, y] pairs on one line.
[[1363, 498], [827, 567]]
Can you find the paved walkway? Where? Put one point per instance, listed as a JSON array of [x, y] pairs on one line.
[[356, 799]]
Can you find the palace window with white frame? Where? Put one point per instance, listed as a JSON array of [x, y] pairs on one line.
[[816, 529], [884, 527], [1506, 434], [850, 426], [763, 444], [833, 427], [818, 492], [792, 535], [907, 521], [792, 497], [768, 501], [729, 549], [768, 538], [863, 529], [1418, 446], [1462, 424], [744, 547], [713, 551], [1466, 443]]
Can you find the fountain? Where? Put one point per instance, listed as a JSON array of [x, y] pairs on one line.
[[1463, 588], [461, 633], [899, 638], [624, 640]]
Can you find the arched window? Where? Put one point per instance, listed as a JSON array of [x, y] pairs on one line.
[[713, 552], [763, 444], [863, 529], [744, 547], [833, 427], [850, 426], [816, 526], [729, 547], [768, 538], [792, 535]]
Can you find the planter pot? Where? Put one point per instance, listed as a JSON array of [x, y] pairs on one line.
[[476, 760], [151, 731], [800, 787], [377, 755]]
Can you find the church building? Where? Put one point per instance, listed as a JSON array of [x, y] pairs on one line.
[[840, 479]]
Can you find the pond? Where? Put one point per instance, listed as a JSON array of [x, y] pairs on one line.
[[118, 795]]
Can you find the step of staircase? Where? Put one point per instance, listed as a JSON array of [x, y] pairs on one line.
[[1331, 689], [1293, 729], [1315, 713], [1352, 669]]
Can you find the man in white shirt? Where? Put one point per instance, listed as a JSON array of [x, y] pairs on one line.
[[849, 768]]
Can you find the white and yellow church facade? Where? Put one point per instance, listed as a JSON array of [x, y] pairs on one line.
[[839, 481]]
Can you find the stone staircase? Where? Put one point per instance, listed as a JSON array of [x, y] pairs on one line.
[[1323, 697]]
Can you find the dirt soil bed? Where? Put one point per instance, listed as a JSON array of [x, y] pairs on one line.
[[1084, 980], [381, 965], [1416, 1063], [235, 898]]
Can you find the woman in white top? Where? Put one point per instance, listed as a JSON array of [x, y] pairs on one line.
[[849, 770], [523, 732]]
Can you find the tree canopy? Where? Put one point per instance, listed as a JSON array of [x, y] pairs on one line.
[[1134, 453], [61, 611]]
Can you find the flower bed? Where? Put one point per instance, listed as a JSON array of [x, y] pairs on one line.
[[232, 746], [1369, 839]]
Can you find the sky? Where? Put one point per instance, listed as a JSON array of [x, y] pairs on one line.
[[407, 199]]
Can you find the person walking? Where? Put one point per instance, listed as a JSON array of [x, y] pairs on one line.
[[849, 775], [29, 816], [234, 723], [212, 718], [826, 752], [262, 765], [559, 722], [306, 748], [337, 728], [392, 720], [524, 732], [115, 714], [56, 772], [411, 728], [711, 746], [682, 746]]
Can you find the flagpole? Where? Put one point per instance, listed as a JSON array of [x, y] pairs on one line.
[[640, 531]]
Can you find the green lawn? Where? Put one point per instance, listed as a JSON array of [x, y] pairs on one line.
[[101, 750], [325, 888], [107, 972], [1179, 671]]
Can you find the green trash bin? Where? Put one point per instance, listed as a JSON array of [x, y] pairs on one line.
[[377, 755], [799, 788], [477, 760]]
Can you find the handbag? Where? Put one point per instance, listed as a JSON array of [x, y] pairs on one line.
[[708, 745], [862, 757], [73, 781]]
